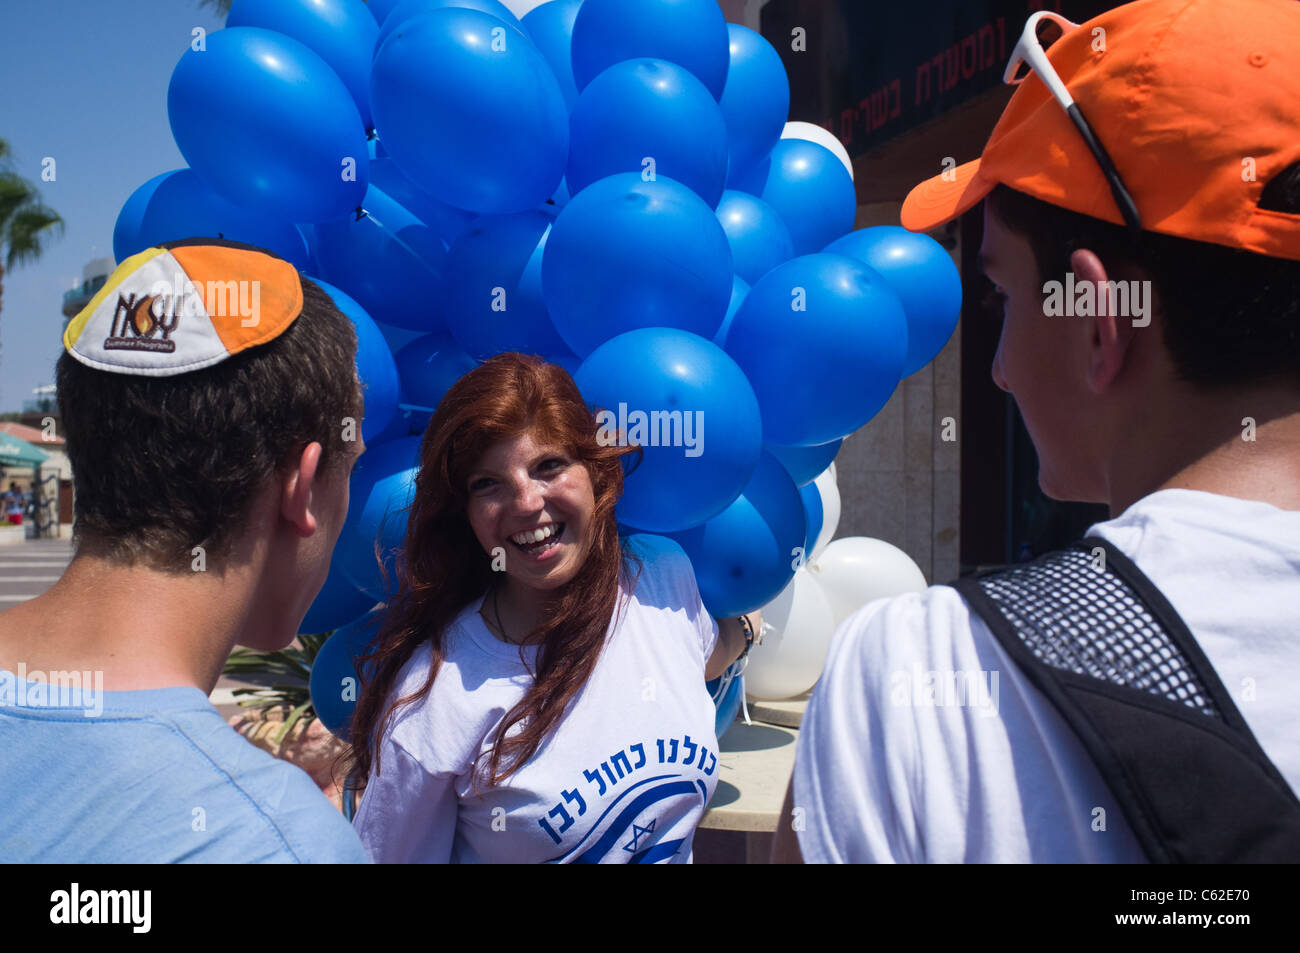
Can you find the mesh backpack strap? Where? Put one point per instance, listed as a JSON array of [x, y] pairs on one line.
[[1096, 636]]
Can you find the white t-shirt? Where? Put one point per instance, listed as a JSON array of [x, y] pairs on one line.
[[625, 778], [881, 778]]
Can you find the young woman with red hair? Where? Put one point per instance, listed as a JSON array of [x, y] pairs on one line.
[[536, 691]]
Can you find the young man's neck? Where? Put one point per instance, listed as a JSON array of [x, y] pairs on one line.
[[142, 628], [1244, 445]]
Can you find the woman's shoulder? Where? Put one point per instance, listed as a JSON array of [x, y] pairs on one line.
[[663, 554], [457, 652], [444, 727], [666, 572]]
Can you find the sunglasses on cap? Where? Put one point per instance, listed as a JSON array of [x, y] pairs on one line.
[[1028, 57]]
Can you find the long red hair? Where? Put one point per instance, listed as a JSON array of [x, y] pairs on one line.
[[443, 567]]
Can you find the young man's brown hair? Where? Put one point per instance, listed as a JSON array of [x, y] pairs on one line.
[[161, 465]]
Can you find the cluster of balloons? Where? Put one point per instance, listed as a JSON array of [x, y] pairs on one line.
[[612, 185], [798, 624], [832, 580]]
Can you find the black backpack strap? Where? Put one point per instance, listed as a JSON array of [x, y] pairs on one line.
[[1096, 636]]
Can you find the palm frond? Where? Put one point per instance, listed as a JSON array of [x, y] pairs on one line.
[[15, 192], [290, 670], [29, 232]]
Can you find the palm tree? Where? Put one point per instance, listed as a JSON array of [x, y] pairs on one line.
[[26, 223]]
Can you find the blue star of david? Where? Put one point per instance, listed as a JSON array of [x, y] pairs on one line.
[[637, 833]]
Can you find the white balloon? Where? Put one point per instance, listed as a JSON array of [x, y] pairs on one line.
[[855, 570], [797, 627], [819, 135], [830, 494], [521, 7]]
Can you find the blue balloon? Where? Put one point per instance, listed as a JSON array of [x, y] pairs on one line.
[[756, 99], [445, 221], [338, 603], [382, 487], [739, 291], [407, 10], [570, 362], [493, 296], [813, 515], [923, 276], [758, 238], [375, 364], [381, 9], [666, 390], [388, 260], [478, 121], [627, 254], [809, 188], [825, 367], [402, 425], [805, 464], [268, 125], [561, 196], [341, 32], [396, 337], [551, 27], [747, 554], [126, 230], [646, 107], [690, 33], [178, 205], [427, 367], [336, 673]]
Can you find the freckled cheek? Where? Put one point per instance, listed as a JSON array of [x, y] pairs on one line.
[[483, 521], [574, 490]]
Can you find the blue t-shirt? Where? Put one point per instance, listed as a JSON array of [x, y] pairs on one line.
[[154, 776]]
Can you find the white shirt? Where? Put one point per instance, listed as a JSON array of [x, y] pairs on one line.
[[881, 778], [626, 777]]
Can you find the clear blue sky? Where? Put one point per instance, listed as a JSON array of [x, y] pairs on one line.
[[85, 81]]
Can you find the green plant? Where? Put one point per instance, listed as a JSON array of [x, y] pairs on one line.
[[293, 666], [27, 224]]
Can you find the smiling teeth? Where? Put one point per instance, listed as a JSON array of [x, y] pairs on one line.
[[534, 535]]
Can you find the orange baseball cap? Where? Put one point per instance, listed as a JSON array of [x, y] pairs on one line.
[[1197, 103]]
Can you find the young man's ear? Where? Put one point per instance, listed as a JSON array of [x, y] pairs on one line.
[[296, 487], [1111, 332]]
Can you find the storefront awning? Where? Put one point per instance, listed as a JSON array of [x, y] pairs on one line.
[[19, 453]]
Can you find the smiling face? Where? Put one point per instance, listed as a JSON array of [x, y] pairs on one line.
[[521, 488], [1042, 362]]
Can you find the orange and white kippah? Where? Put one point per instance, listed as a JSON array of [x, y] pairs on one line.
[[183, 306]]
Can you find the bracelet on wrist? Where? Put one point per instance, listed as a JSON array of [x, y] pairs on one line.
[[747, 627]]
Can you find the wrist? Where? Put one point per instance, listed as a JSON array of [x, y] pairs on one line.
[[747, 628]]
